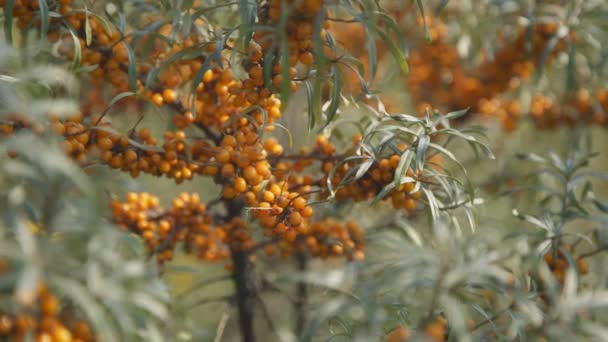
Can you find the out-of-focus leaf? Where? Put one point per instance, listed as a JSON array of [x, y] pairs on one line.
[[311, 108], [8, 20], [334, 103], [247, 11], [44, 18], [432, 203], [77, 51], [426, 27], [398, 55], [423, 145], [87, 303]]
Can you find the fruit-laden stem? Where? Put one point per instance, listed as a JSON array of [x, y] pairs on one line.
[[244, 294]]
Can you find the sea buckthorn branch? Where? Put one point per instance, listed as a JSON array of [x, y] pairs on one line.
[[234, 113], [161, 230]]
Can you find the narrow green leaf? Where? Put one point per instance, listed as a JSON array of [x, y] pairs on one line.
[[469, 138], [247, 11], [427, 34], [402, 167], [88, 35], [119, 97], [269, 58], [423, 145], [551, 44], [364, 167], [334, 104], [151, 77], [102, 20], [132, 68], [432, 202], [289, 135], [384, 192], [331, 173], [44, 18], [456, 115], [311, 108], [371, 51], [77, 51], [571, 68], [398, 55], [8, 20], [285, 90], [530, 157]]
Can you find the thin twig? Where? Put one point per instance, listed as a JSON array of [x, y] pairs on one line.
[[592, 253], [220, 327]]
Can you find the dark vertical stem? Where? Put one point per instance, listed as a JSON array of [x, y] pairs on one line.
[[301, 294], [244, 295]]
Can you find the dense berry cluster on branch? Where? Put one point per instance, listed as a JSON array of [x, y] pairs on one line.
[[440, 78], [558, 263]]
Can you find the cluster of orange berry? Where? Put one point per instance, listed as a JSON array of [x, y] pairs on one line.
[[189, 222], [46, 322], [13, 123], [330, 238], [242, 161], [26, 12], [581, 106], [438, 75], [381, 173], [186, 221], [439, 78], [280, 212], [558, 263], [299, 27], [515, 61], [133, 153], [435, 331]]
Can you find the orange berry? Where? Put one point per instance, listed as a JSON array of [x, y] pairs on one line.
[[223, 156], [105, 143], [306, 58], [169, 96], [268, 196], [208, 76], [307, 211], [49, 306], [240, 184], [295, 219], [157, 99], [250, 173], [299, 203]]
